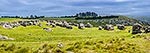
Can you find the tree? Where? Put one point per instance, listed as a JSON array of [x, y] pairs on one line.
[[31, 16], [87, 14], [35, 16]]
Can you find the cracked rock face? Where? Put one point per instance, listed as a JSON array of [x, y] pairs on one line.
[[121, 27], [136, 28]]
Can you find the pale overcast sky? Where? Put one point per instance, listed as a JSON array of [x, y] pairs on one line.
[[71, 7]]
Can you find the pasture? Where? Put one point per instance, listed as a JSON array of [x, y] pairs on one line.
[[33, 39], [9, 19]]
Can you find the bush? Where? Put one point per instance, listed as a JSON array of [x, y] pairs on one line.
[[23, 50], [11, 47]]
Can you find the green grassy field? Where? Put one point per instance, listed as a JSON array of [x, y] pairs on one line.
[[9, 19], [90, 40]]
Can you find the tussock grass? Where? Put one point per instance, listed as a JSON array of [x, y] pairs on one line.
[[34, 39], [9, 19]]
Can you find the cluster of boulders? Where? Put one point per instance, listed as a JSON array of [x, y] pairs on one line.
[[10, 25], [54, 23], [29, 22], [51, 22], [108, 27], [138, 28], [111, 27], [126, 22], [5, 38], [147, 29], [67, 25]]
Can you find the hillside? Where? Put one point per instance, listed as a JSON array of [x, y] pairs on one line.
[[34, 39], [9, 19], [96, 22], [143, 18]]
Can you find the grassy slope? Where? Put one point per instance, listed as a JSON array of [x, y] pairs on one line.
[[9, 19], [66, 36], [94, 22]]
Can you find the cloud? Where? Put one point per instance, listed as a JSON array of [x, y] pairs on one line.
[[63, 7], [123, 0]]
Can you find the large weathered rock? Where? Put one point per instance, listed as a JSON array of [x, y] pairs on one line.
[[69, 27], [60, 45], [25, 23], [81, 26], [88, 25], [75, 24], [136, 28], [147, 38], [147, 29], [121, 27], [100, 27], [109, 27], [70, 23], [48, 24], [53, 25], [40, 25], [7, 26], [34, 23], [65, 24], [5, 38], [59, 24], [47, 29]]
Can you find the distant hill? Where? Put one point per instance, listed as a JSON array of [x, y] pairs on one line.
[[142, 18]]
